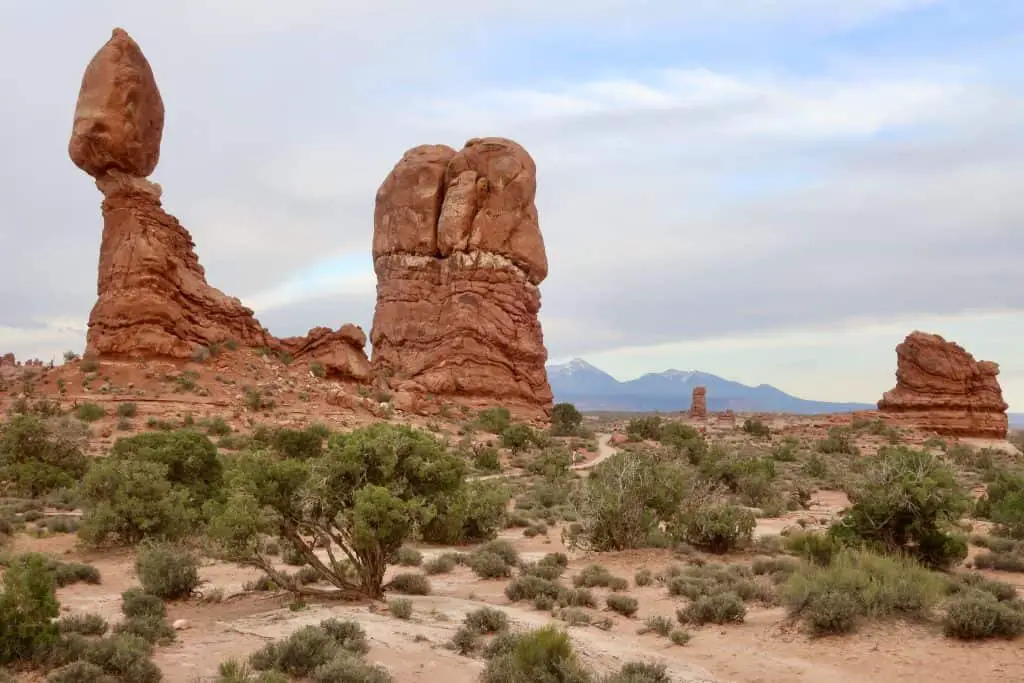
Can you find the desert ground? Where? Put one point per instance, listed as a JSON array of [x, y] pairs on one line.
[[229, 617]]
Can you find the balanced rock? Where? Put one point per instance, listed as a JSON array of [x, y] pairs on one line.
[[698, 403], [942, 389], [458, 254], [154, 300]]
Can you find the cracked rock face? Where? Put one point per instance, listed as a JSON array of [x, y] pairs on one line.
[[459, 256], [941, 388], [153, 298]]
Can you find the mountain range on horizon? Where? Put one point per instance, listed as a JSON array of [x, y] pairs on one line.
[[590, 388]]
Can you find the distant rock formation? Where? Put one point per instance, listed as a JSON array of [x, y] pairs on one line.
[[154, 300], [699, 403], [941, 388], [459, 256]]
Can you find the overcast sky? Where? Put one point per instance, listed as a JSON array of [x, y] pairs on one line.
[[769, 191]]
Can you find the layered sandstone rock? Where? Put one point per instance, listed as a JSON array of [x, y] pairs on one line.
[[459, 256], [340, 352], [154, 300], [698, 403], [941, 388]]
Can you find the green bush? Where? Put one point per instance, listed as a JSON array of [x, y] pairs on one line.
[[494, 420], [79, 672], [442, 564], [36, 458], [839, 442], [813, 547], [640, 672], [486, 620], [715, 527], [127, 409], [83, 624], [906, 499], [529, 587], [658, 624], [488, 565], [189, 456], [136, 602], [576, 597], [503, 549], [167, 571], [718, 608], [400, 608], [305, 651], [755, 427], [596, 575], [697, 581], [372, 488], [623, 604], [565, 419], [859, 584], [518, 438], [152, 629], [543, 655], [126, 501], [89, 412], [410, 584], [347, 669], [408, 557], [643, 577], [486, 458], [473, 513], [978, 615], [1006, 562], [125, 657], [1003, 503], [28, 609], [644, 428], [574, 616], [679, 637]]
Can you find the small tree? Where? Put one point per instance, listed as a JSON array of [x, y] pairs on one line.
[[363, 498], [565, 419], [189, 456], [28, 609], [907, 499], [494, 420], [474, 513], [35, 459], [518, 438], [641, 428]]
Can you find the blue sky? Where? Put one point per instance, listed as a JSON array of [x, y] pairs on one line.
[[769, 191]]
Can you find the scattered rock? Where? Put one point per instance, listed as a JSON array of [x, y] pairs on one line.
[[458, 254], [941, 388], [181, 625]]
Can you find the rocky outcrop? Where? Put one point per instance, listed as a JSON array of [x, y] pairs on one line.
[[942, 389], [154, 300], [459, 256], [699, 403], [339, 353]]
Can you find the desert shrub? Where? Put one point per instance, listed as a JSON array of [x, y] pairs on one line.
[[543, 570], [36, 457], [1006, 562], [347, 669], [473, 513], [167, 571], [839, 441], [905, 500], [643, 577], [410, 584], [349, 635], [152, 629], [813, 547], [28, 609], [486, 458], [311, 647], [89, 412], [623, 500], [544, 603], [623, 604], [859, 584], [369, 490], [125, 657], [680, 637], [565, 419], [442, 564], [596, 575], [494, 420], [1003, 503], [978, 615], [126, 501], [127, 409], [996, 544], [717, 608], [544, 655], [216, 426], [574, 616], [644, 428], [62, 573], [136, 602], [408, 557], [715, 527], [576, 597], [488, 565], [661, 625], [503, 549], [529, 587], [83, 624], [465, 641], [550, 463], [640, 672], [400, 608], [298, 443], [518, 438], [486, 620], [755, 427], [774, 566], [973, 581], [684, 440], [80, 671], [697, 581]]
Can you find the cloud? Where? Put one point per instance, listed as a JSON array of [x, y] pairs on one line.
[[707, 171]]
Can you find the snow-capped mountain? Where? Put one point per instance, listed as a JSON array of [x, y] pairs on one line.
[[591, 388]]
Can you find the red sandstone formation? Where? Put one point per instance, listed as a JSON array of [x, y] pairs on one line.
[[459, 256], [154, 300], [941, 388], [698, 403]]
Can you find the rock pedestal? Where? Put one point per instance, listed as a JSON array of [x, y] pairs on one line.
[[698, 403]]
